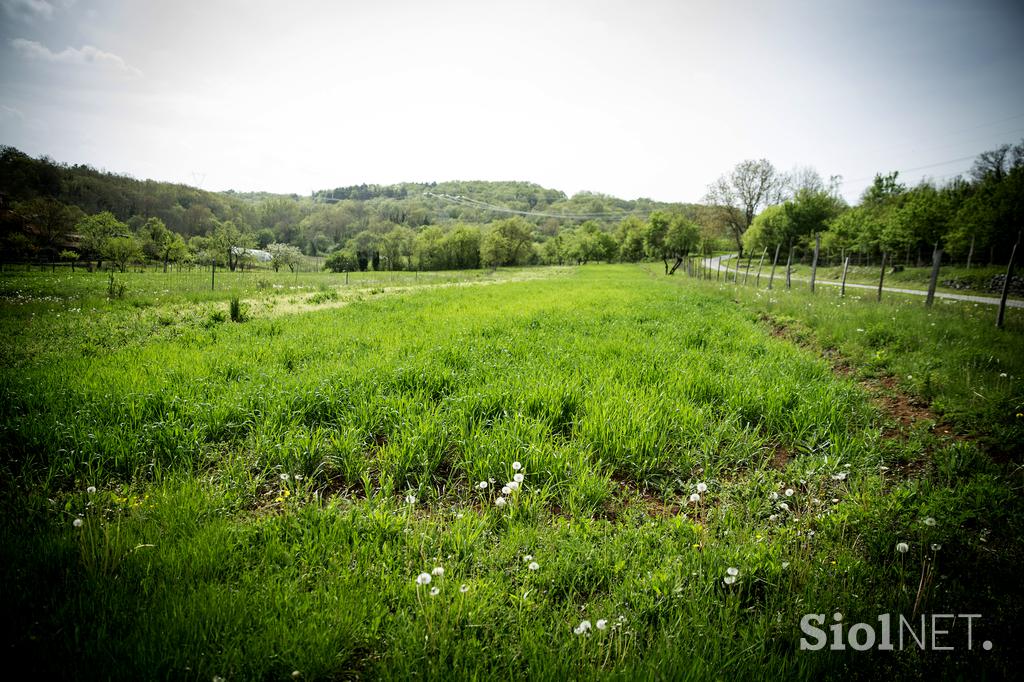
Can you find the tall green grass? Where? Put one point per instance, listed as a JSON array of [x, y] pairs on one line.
[[267, 493]]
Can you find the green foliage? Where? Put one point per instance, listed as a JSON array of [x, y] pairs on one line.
[[116, 289], [341, 260], [236, 310], [97, 229], [670, 237], [122, 250]]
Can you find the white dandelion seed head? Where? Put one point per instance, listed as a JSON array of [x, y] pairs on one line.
[[694, 498], [601, 624], [283, 477], [91, 489], [518, 478], [783, 505], [729, 579], [516, 466], [841, 476], [77, 523], [789, 492], [1002, 375], [936, 547], [732, 570], [583, 627], [500, 502], [434, 591], [410, 499], [533, 566], [929, 521], [774, 496], [482, 485], [438, 571], [785, 564], [463, 588], [423, 579], [773, 517], [702, 487], [902, 547], [527, 557], [513, 485], [295, 673], [505, 490]]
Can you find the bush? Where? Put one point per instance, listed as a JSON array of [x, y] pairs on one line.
[[340, 261], [115, 289], [237, 313]]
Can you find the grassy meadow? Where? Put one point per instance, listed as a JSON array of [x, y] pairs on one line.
[[551, 473]]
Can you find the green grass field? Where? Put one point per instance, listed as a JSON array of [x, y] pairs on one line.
[[689, 468]]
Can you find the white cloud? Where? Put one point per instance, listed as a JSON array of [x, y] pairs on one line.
[[87, 54], [28, 9]]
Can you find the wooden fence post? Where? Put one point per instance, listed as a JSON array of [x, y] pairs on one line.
[[1006, 285], [814, 263], [757, 280], [775, 262], [789, 263], [842, 288], [936, 263], [881, 277]]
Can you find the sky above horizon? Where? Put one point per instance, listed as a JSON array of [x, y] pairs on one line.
[[635, 99]]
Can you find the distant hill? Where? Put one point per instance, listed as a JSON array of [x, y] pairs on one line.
[[323, 221]]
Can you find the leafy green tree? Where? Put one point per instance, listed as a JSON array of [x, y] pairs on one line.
[[461, 246], [342, 260], [396, 247], [552, 250], [122, 251], [69, 256], [264, 237], [809, 212], [516, 234], [494, 249], [95, 230], [230, 243], [630, 237], [366, 246], [771, 228], [161, 244], [671, 237]]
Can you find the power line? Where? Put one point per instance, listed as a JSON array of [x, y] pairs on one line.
[[916, 168]]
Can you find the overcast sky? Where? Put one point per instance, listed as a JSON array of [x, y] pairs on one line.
[[635, 98]]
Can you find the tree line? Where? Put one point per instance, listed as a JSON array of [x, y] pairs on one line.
[[50, 211]]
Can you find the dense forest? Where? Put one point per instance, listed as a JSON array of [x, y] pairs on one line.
[[57, 212]]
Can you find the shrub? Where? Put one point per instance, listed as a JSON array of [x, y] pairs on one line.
[[237, 313], [116, 289]]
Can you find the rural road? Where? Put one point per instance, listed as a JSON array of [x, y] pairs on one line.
[[715, 264]]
